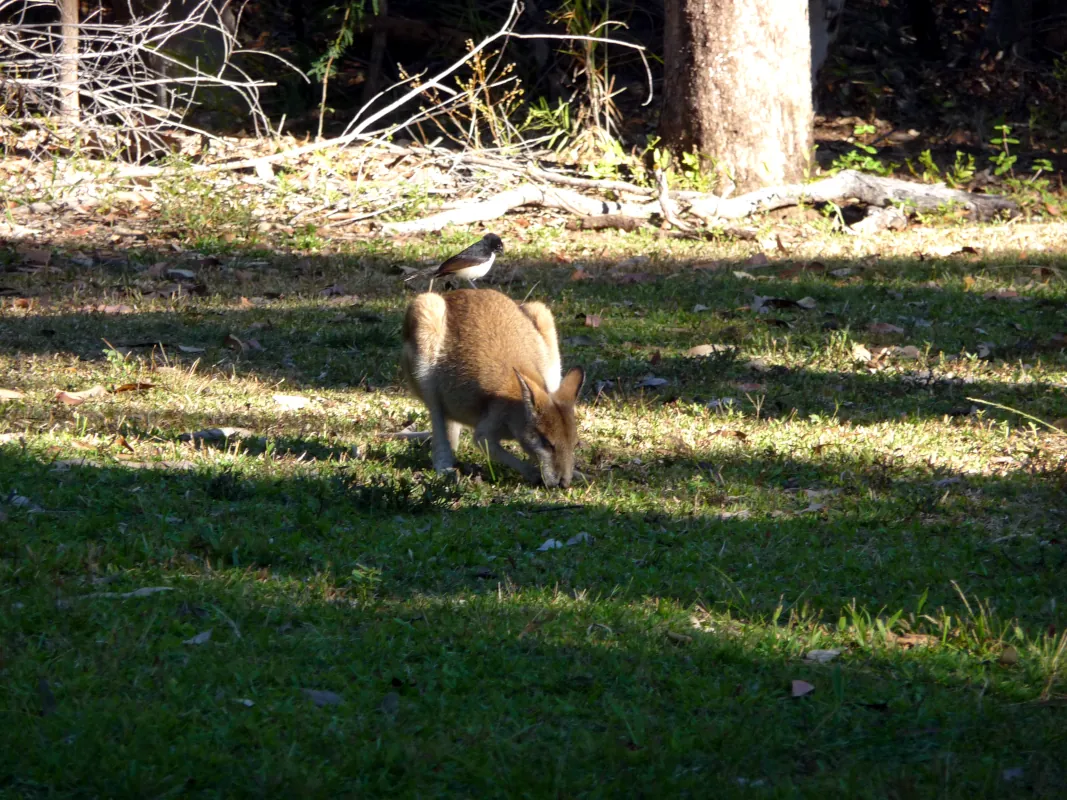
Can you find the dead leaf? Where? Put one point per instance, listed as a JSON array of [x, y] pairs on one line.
[[201, 638], [860, 353], [214, 434], [11, 394], [751, 387], [821, 656], [651, 382], [291, 402], [119, 308], [183, 464], [758, 365], [581, 275], [908, 351], [44, 694], [968, 282], [909, 640], [739, 435], [189, 348], [233, 343], [578, 341], [183, 274], [390, 705], [144, 591], [944, 251], [135, 387], [246, 303], [710, 266], [801, 688], [757, 260], [702, 350], [634, 277], [1009, 656], [321, 697], [679, 638], [592, 320], [881, 219], [1001, 294], [884, 327], [37, 256], [764, 304], [77, 398], [698, 308]]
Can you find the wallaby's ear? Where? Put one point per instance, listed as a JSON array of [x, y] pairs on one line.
[[570, 386], [527, 397]]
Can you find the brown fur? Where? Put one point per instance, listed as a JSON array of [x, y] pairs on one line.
[[478, 359]]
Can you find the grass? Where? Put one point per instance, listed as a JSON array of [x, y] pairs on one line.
[[775, 498]]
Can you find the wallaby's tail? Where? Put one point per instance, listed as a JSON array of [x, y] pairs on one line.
[[425, 324], [542, 319]]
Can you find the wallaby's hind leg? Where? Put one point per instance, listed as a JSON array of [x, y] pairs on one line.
[[541, 317], [424, 334]]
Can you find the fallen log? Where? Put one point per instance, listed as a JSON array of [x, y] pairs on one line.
[[527, 194], [868, 189]]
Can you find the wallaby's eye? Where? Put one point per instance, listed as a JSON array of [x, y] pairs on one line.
[[545, 443]]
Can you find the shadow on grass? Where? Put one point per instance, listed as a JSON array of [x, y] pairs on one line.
[[748, 528], [461, 659]]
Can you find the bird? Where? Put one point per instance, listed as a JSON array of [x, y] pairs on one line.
[[472, 263]]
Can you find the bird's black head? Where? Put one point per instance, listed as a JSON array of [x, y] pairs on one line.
[[495, 245]]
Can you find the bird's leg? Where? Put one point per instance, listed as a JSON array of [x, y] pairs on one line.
[[471, 283]]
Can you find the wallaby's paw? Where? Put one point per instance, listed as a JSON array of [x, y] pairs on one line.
[[449, 473]]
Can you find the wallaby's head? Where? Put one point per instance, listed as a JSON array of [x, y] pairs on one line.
[[551, 434]]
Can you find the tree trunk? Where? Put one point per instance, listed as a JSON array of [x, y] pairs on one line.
[[737, 88], [68, 64]]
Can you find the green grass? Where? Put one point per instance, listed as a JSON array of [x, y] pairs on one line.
[[872, 509]]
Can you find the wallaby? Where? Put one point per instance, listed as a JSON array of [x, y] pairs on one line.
[[477, 358]]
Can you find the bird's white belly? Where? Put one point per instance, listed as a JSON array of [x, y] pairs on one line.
[[475, 272]]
